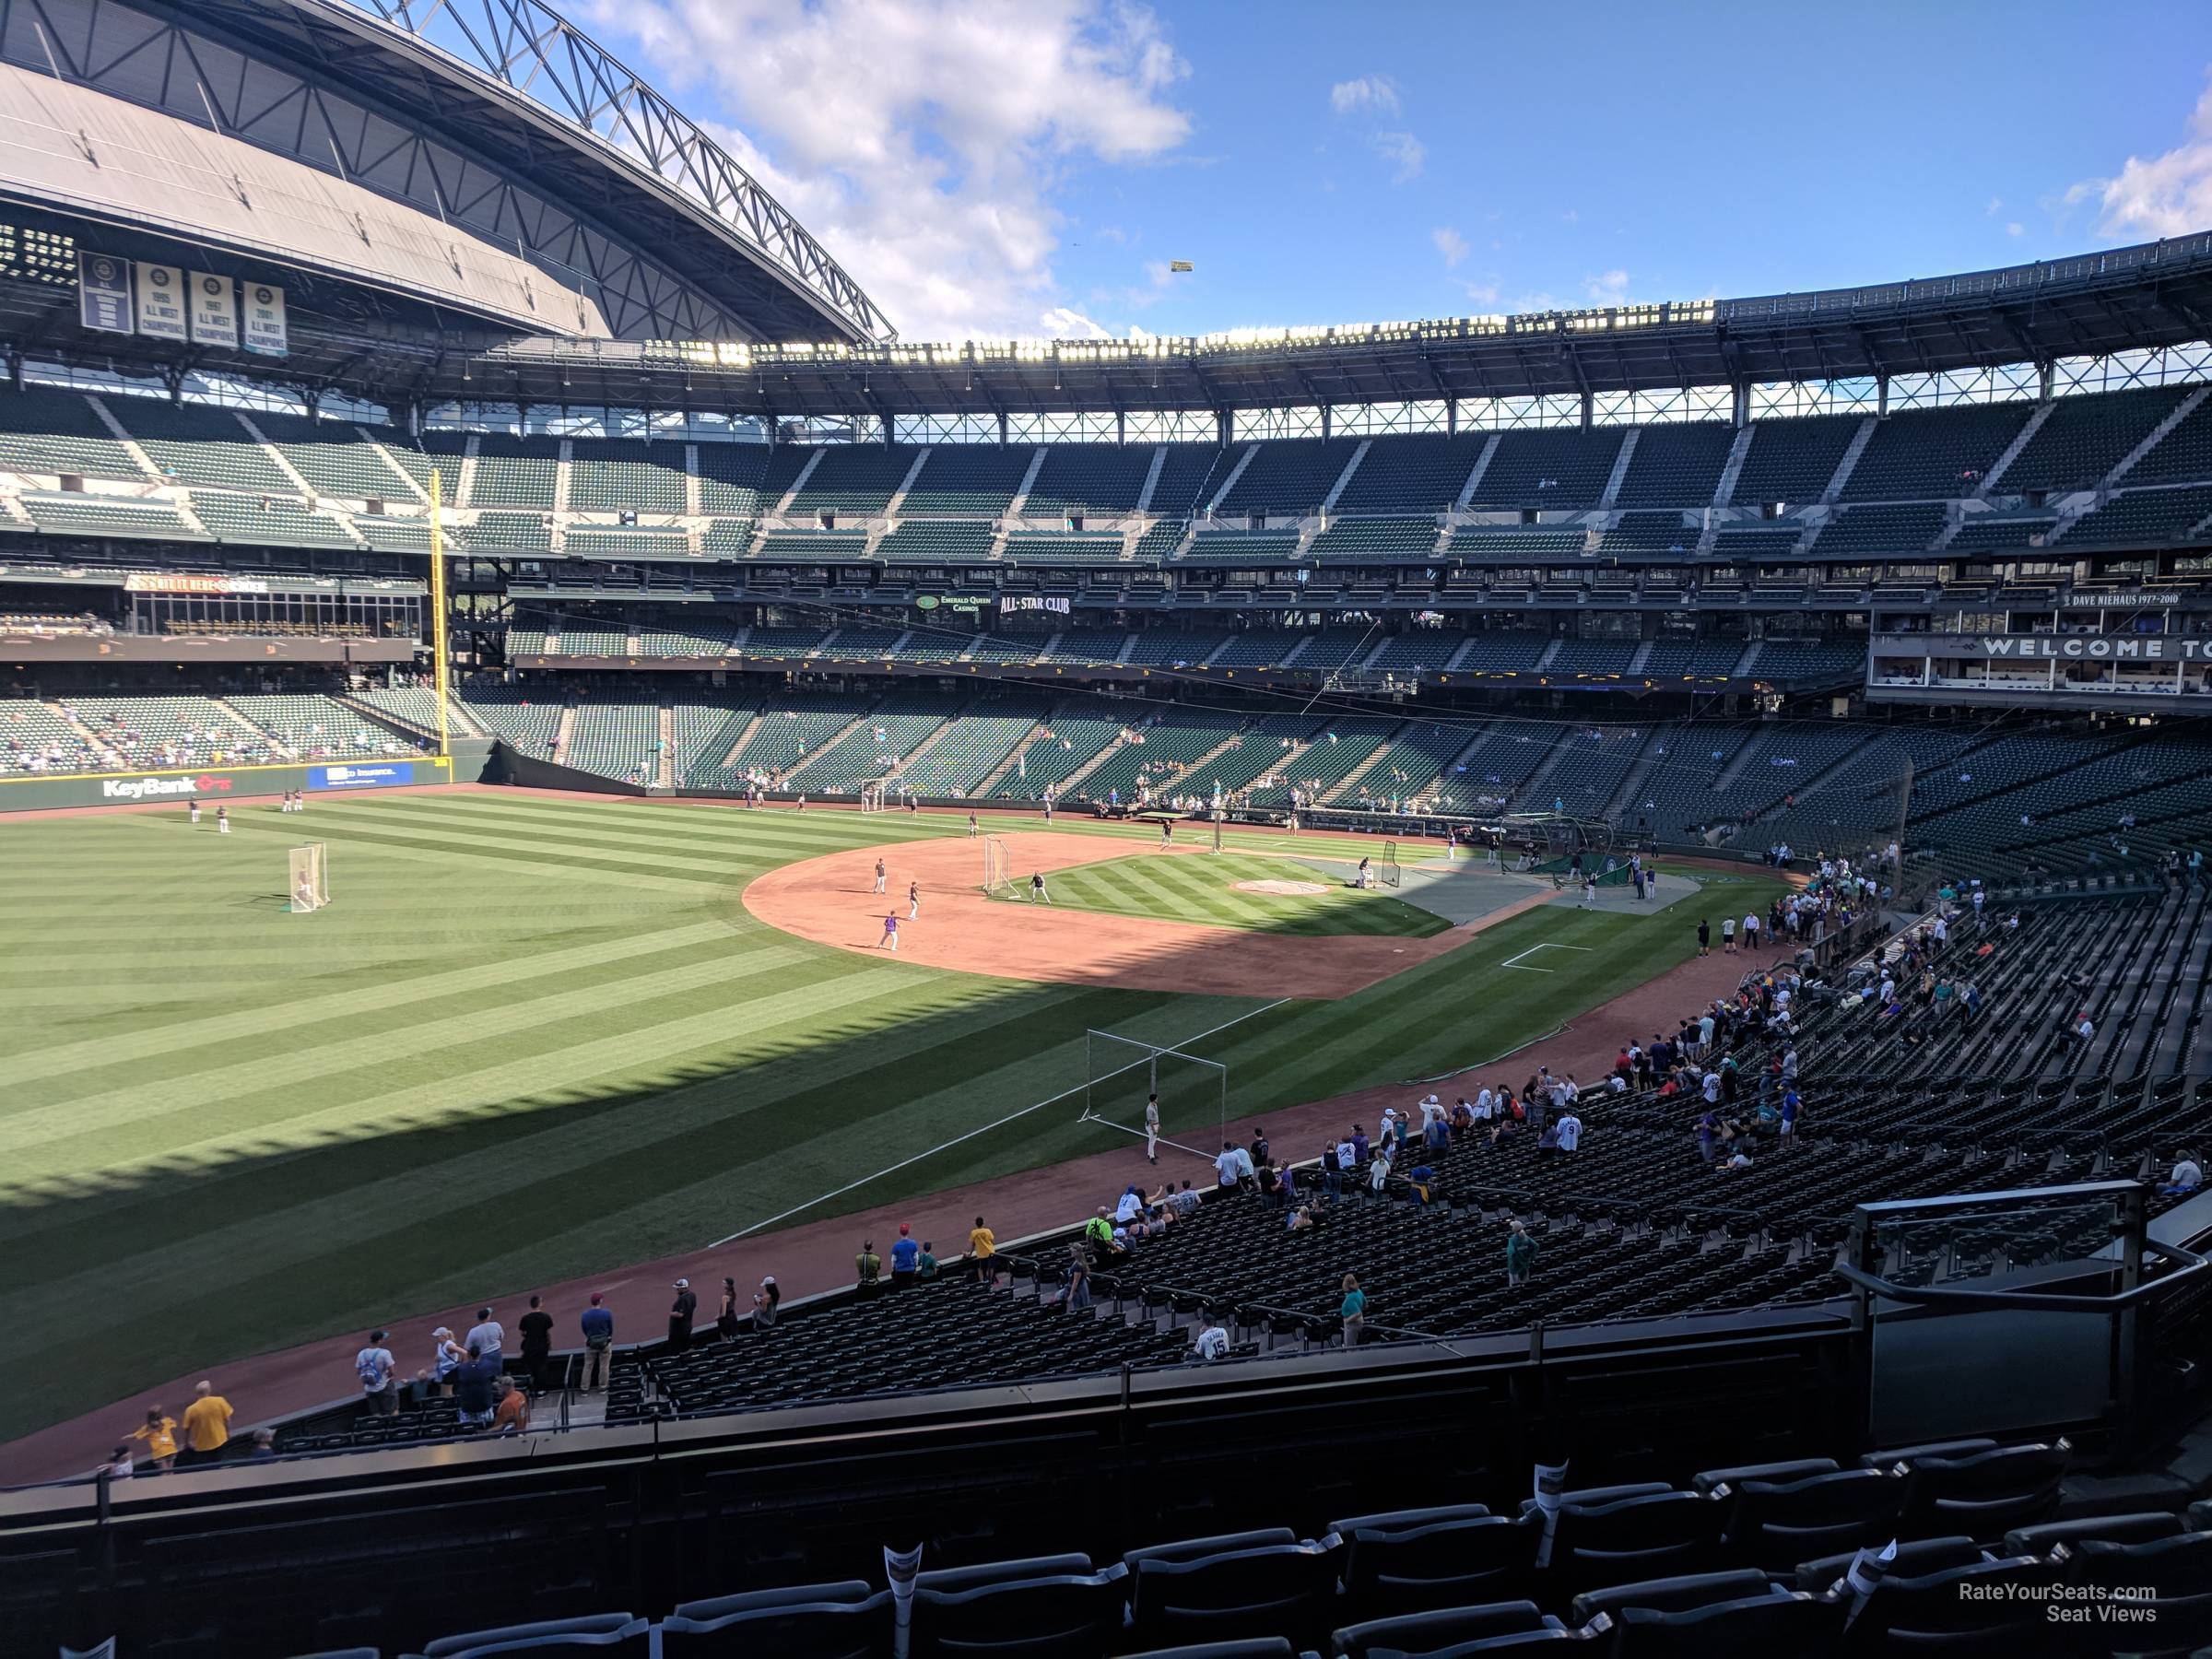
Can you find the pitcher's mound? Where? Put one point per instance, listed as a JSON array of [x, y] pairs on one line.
[[1281, 888]]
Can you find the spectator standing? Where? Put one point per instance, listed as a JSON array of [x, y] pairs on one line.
[[905, 1257], [377, 1371], [1520, 1256], [681, 1312], [1228, 1166], [867, 1266], [1076, 1293], [445, 1356], [925, 1265], [206, 1426], [982, 1244], [538, 1343], [766, 1301], [1704, 939], [598, 1326], [725, 1317], [1353, 1310], [488, 1337]]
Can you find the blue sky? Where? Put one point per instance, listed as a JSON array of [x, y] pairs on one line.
[[1030, 168]]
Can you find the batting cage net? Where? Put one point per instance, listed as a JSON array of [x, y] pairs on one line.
[[996, 875], [1391, 874], [308, 877], [871, 797]]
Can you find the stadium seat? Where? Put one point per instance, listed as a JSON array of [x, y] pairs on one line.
[[1282, 1589], [2176, 1570], [1750, 1627], [1650, 1534], [1445, 1563], [2113, 1529], [1774, 1524], [1984, 1493], [1913, 1559], [1959, 1610], [606, 1634], [843, 1620], [1442, 1628], [1023, 1618], [1255, 1647]]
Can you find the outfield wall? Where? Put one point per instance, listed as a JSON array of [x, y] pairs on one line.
[[212, 785]]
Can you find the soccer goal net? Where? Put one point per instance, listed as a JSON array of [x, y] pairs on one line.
[[1121, 1073], [1391, 874], [309, 886], [996, 874]]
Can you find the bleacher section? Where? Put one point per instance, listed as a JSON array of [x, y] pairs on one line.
[[1555, 470], [1792, 461], [1290, 475], [616, 739], [972, 746], [53, 432], [194, 443], [968, 480], [854, 478], [611, 474], [1676, 464], [514, 472], [1083, 479], [335, 456], [1929, 454], [1412, 475]]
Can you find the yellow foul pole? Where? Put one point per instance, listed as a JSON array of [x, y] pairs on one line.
[[439, 658]]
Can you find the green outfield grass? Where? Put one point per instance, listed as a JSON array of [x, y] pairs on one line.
[[1205, 889], [534, 1038]]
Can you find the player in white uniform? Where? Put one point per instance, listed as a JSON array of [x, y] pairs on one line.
[[1152, 1129]]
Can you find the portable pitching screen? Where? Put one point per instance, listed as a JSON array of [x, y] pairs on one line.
[[997, 875], [1391, 874], [1120, 1071], [871, 797], [308, 878]]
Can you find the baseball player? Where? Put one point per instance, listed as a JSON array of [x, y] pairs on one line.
[[879, 875], [1152, 1129], [1036, 890], [890, 933], [913, 901]]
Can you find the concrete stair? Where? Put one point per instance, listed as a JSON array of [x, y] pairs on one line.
[[1851, 452]]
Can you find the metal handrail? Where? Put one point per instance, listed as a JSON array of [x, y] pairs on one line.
[[2031, 1300]]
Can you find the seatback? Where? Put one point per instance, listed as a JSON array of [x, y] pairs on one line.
[[606, 1635], [1941, 1611], [1635, 1537], [1984, 1494], [2113, 1529], [1251, 1647], [999, 1572], [1423, 1632], [1954, 1448], [775, 1628], [1445, 1564], [1387, 1521], [1064, 1616], [1795, 1469], [1922, 1556], [1274, 1590], [1221, 1544], [2178, 1572], [1668, 1594], [1775, 1525], [718, 1607]]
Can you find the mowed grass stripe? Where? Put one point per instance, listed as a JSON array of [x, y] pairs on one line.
[[84, 1107], [293, 1018]]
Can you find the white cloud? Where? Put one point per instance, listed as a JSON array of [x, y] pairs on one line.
[[1405, 154], [2014, 228], [931, 176], [1569, 217], [1450, 244], [1367, 93], [1608, 287], [1482, 293], [2166, 194], [1064, 322], [1995, 202]]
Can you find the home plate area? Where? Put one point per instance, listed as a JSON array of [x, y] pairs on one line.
[[1289, 889]]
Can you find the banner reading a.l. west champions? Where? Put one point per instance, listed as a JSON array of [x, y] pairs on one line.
[[378, 775], [263, 317], [214, 310], [161, 303]]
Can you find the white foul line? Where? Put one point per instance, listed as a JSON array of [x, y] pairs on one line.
[[1515, 961], [986, 1129]]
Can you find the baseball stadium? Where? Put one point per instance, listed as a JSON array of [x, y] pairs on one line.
[[685, 978]]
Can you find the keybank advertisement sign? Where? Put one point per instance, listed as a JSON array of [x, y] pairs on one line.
[[360, 777], [164, 789]]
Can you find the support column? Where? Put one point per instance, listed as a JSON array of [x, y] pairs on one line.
[[1881, 395], [1450, 417], [1589, 412], [1739, 401], [1325, 426], [2045, 373], [1224, 427], [1002, 428], [1121, 426]]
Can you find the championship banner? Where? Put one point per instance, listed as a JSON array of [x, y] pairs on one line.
[[161, 303], [103, 292], [264, 319], [214, 310]]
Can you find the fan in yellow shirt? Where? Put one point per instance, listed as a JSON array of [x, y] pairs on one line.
[[982, 1244], [206, 1425], [160, 1434]]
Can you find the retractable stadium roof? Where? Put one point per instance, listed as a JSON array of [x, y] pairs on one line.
[[498, 113]]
